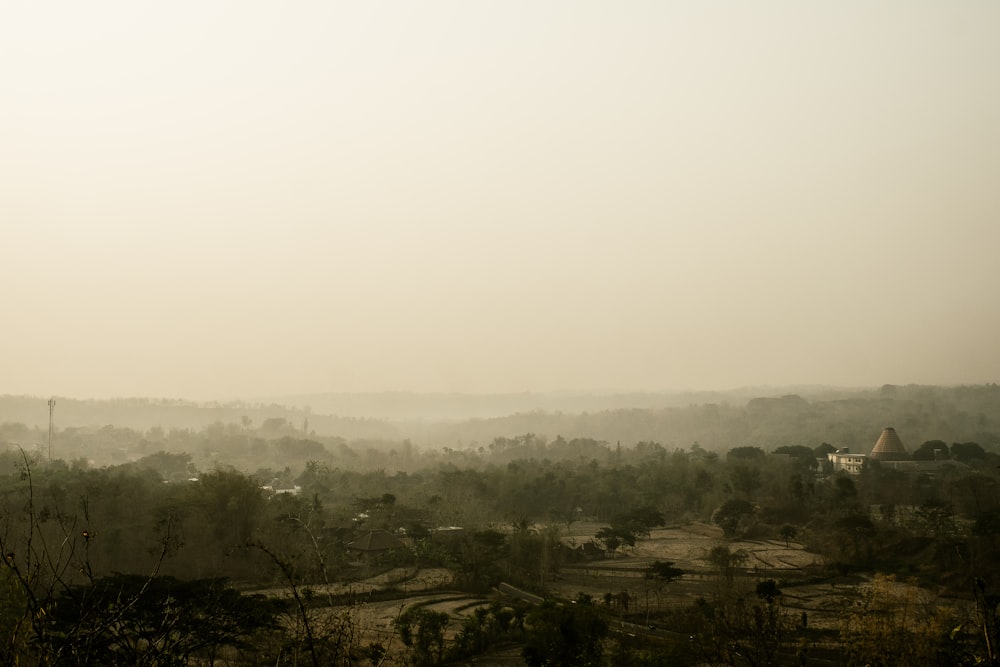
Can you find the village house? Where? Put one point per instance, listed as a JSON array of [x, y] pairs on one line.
[[888, 450], [843, 460]]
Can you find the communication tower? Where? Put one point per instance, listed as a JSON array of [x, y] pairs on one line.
[[52, 407]]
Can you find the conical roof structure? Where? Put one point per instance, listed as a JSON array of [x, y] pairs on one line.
[[889, 447]]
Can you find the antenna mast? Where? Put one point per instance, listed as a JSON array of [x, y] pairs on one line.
[[52, 407]]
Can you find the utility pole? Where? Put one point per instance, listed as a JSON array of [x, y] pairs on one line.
[[52, 407]]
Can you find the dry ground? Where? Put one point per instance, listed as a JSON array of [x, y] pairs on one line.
[[687, 547]]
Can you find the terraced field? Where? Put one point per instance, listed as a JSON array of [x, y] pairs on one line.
[[686, 546]]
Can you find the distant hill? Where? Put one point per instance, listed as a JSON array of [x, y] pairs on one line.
[[854, 420], [409, 406], [761, 417], [145, 413]]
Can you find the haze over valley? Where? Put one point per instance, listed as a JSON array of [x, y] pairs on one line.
[[527, 333], [223, 201]]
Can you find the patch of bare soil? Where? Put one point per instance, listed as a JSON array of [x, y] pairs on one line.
[[688, 548]]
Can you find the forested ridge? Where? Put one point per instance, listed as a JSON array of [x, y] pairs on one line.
[[845, 418]]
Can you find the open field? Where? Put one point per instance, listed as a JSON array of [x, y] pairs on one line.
[[806, 594], [686, 546]]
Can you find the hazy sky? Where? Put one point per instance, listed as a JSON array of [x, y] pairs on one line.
[[234, 199]]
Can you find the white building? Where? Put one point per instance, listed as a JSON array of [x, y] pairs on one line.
[[842, 459]]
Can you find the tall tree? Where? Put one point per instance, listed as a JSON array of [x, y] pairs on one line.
[[565, 635]]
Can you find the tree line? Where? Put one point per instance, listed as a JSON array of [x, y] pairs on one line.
[[93, 554]]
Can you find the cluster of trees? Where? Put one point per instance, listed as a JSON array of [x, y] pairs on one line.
[[551, 634], [77, 590], [627, 527], [90, 552], [858, 522]]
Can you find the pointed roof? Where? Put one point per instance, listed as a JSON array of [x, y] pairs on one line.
[[376, 540], [889, 447]]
